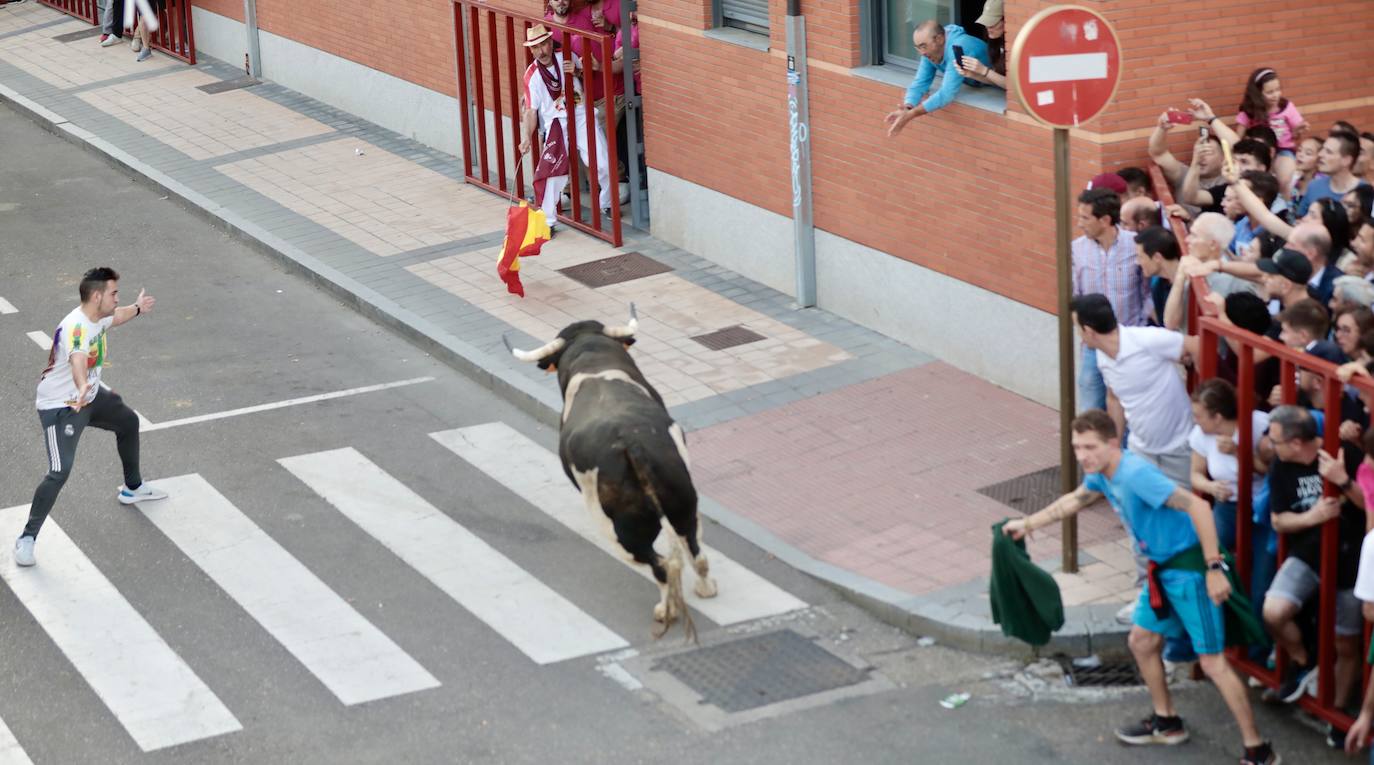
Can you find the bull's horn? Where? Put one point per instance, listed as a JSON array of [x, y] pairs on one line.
[[627, 331], [539, 354]]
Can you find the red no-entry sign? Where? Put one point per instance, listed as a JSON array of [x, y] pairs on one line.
[[1066, 63]]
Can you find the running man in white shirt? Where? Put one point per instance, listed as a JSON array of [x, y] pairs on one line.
[[70, 398], [546, 105]]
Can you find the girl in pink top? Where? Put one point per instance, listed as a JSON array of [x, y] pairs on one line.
[[1264, 103]]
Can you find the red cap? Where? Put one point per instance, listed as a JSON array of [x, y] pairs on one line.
[[1109, 181]]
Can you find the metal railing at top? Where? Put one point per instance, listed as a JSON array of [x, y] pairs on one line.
[[175, 35], [1212, 331], [86, 10], [489, 46]]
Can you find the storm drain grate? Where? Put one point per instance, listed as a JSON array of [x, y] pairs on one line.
[[614, 270], [728, 338], [78, 35], [224, 86], [1106, 675], [759, 670], [1028, 492]]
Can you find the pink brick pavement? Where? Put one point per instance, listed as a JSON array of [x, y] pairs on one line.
[[880, 478]]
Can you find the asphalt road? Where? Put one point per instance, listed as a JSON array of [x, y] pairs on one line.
[[231, 331]]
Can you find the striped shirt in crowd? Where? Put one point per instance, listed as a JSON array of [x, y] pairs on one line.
[[1114, 273]]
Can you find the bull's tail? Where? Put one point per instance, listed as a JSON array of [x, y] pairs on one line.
[[677, 599]]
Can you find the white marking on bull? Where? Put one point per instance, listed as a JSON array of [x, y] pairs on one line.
[[705, 586], [606, 374]]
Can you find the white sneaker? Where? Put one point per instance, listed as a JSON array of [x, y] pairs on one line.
[[144, 493], [1126, 614], [108, 41], [23, 551]]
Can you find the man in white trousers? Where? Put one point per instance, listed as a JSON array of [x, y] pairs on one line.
[[545, 104]]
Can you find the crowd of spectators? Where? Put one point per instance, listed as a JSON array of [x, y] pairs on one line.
[[1278, 227]]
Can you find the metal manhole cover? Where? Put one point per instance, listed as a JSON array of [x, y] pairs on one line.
[[1027, 493], [78, 35], [728, 338], [759, 670], [226, 85], [1105, 675], [614, 270]]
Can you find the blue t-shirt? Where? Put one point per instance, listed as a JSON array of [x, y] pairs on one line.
[[1138, 491], [1320, 188]]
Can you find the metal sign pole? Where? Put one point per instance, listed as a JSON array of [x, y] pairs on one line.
[[799, 124], [1068, 465], [250, 23]]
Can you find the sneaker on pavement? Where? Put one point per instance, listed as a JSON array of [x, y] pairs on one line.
[[145, 55], [1127, 613], [144, 493], [1154, 729], [1260, 755], [107, 40], [23, 551], [1297, 681], [136, 44]]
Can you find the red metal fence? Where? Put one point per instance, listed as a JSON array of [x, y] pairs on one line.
[[491, 61], [175, 35], [1204, 322], [86, 10]]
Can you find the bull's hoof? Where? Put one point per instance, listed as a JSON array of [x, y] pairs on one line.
[[705, 588], [659, 630], [661, 613]]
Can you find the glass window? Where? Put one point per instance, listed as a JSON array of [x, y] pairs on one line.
[[900, 19]]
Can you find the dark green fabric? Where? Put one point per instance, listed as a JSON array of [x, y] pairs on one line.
[[1025, 599], [1242, 628]]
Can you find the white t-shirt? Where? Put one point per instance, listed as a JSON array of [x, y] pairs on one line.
[[1145, 377], [540, 100], [1364, 582], [76, 334], [1224, 467]]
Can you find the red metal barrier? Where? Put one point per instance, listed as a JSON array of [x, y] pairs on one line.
[[479, 31], [1211, 330], [175, 35], [86, 10]]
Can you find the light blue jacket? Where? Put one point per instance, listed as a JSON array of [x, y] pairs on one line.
[[949, 86]]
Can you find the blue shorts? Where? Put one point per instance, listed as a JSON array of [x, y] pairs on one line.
[[1192, 613]]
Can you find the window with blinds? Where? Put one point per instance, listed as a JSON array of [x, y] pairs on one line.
[[750, 15]]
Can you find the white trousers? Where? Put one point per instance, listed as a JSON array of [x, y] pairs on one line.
[[553, 188]]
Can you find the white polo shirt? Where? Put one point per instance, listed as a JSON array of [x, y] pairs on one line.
[[1145, 378]]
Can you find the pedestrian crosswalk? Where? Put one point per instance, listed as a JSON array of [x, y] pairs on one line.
[[160, 700]]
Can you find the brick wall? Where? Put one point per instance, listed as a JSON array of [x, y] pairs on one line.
[[965, 192]]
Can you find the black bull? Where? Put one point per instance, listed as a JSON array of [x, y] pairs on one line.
[[622, 450]]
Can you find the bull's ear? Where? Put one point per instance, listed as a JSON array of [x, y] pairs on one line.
[[552, 368], [629, 341]]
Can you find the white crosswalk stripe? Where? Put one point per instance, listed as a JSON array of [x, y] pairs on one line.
[[534, 618], [353, 659], [536, 475], [7, 307], [153, 693], [11, 753]]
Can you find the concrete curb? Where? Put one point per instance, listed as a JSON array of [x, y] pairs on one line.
[[1087, 629]]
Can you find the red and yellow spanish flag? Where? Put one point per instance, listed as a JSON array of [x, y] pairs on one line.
[[526, 232]]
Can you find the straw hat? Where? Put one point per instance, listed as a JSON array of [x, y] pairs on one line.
[[536, 34]]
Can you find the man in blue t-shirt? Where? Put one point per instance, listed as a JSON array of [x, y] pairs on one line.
[[1336, 171], [936, 45], [1164, 520]]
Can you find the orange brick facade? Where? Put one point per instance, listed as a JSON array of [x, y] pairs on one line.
[[965, 192]]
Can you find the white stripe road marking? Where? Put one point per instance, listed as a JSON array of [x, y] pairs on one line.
[[153, 693], [536, 474], [1068, 67], [338, 645], [45, 342], [523, 610], [11, 753], [284, 404], [7, 307]]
